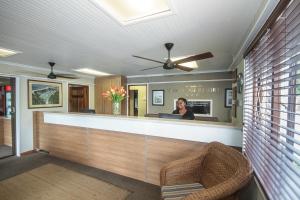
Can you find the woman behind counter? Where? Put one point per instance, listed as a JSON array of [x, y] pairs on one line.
[[182, 109]]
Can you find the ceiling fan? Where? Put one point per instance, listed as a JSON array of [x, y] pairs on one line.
[[52, 75], [169, 64]]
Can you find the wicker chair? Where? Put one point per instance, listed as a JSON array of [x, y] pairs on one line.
[[222, 170]]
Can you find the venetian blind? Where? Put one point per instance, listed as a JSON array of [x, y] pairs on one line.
[[272, 106]]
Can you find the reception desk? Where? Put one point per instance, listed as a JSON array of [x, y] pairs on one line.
[[136, 147]]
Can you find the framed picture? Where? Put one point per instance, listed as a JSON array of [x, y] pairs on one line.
[[228, 97], [43, 94], [158, 97]]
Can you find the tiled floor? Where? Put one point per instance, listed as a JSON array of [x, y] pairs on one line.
[[140, 191]]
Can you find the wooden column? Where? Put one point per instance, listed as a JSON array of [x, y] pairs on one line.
[[102, 84]]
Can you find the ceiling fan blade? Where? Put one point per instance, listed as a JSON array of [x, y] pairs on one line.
[[187, 69], [30, 73], [150, 68], [68, 76], [148, 59], [195, 57]]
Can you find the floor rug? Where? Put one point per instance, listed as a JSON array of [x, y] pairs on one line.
[[52, 182]]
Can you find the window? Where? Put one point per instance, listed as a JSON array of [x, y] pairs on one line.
[[272, 106]]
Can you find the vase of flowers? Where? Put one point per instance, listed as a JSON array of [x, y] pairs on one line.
[[116, 108], [116, 95]]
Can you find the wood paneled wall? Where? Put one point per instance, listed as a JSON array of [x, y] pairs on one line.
[[5, 131], [137, 156], [1, 132], [102, 84]]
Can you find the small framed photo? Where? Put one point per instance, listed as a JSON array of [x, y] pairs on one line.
[[228, 97], [158, 97], [44, 94]]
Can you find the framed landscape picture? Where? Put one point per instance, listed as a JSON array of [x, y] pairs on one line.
[[43, 94], [158, 97]]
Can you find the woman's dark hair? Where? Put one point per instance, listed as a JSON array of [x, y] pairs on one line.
[[182, 99]]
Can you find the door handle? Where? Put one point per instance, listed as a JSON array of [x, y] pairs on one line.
[[13, 110]]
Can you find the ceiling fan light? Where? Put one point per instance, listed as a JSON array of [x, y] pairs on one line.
[[52, 75], [192, 64]]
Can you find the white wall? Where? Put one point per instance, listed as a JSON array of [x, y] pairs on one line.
[[26, 123]]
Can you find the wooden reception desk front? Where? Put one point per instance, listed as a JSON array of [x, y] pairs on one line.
[[131, 146]]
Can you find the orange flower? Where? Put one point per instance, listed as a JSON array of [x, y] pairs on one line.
[[115, 94]]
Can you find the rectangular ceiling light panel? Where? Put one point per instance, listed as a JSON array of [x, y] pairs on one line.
[[130, 11], [91, 72], [7, 52]]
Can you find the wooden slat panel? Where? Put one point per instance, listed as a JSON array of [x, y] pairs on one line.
[[1, 131], [162, 150], [136, 156], [7, 132], [62, 141], [35, 128], [120, 153]]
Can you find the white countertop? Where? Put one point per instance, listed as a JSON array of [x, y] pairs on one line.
[[191, 130]]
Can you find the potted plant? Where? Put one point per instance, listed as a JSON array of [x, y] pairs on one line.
[[116, 95]]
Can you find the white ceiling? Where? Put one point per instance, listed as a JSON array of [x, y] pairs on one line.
[[76, 33]]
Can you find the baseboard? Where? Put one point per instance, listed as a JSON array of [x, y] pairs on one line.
[[28, 152]]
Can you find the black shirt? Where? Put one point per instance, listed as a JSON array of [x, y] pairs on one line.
[[187, 115]]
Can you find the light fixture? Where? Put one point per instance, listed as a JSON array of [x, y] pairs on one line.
[[7, 52], [130, 11], [91, 72], [192, 64]]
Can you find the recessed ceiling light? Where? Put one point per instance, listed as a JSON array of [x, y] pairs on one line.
[[130, 11], [91, 71], [7, 52]]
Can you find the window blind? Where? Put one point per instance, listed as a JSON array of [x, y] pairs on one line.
[[272, 106]]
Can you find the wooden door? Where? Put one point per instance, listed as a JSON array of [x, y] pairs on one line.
[[78, 98]]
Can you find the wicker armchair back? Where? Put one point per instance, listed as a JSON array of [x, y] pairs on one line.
[[221, 169], [220, 163]]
